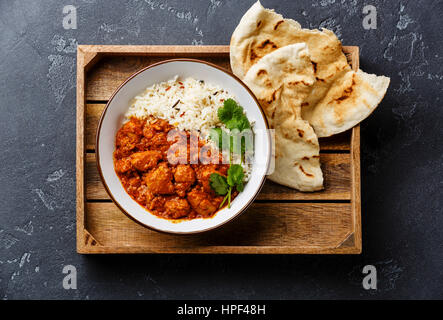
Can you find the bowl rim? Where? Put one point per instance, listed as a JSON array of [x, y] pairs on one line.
[[97, 148]]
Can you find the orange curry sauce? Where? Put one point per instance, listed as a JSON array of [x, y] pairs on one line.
[[171, 191]]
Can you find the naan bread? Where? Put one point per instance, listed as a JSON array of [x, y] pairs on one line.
[[262, 31], [351, 99], [281, 81], [339, 99]]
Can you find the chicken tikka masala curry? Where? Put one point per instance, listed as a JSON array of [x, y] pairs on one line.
[[171, 191]]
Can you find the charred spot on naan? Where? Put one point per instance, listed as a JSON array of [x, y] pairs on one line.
[[314, 66], [269, 108], [261, 72], [259, 51], [267, 43], [301, 133], [295, 83], [305, 173], [253, 56], [277, 24], [347, 92], [273, 97]]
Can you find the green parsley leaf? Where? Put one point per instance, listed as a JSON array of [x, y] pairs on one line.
[[223, 186], [226, 113], [235, 175], [231, 114], [233, 117], [243, 123], [218, 183]]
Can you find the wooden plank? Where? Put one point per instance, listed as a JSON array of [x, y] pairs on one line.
[[262, 249], [80, 151], [278, 227], [161, 50], [336, 170], [111, 71], [340, 141], [356, 187], [93, 113]]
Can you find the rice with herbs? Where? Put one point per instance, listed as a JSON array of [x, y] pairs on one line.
[[188, 104], [196, 109]]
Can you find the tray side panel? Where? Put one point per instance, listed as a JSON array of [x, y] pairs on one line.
[[80, 152], [356, 187]]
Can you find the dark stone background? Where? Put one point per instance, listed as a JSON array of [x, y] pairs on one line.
[[402, 181]]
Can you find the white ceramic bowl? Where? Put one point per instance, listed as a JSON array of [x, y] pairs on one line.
[[112, 120]]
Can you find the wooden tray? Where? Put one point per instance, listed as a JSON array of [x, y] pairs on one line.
[[281, 220]]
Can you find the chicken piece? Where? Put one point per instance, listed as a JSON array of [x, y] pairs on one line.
[[134, 125], [203, 203], [145, 160], [177, 207], [133, 184], [123, 165], [161, 125], [184, 173], [160, 141], [143, 195], [181, 188], [159, 180], [148, 131], [157, 204], [204, 173], [184, 177], [128, 136]]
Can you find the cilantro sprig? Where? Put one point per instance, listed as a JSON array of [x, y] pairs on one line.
[[223, 186], [219, 184], [236, 176], [234, 118], [232, 115]]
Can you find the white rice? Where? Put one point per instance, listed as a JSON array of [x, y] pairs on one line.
[[196, 109]]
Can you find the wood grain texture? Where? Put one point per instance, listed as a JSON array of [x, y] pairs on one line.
[[356, 187], [80, 150], [270, 226], [300, 226], [111, 71], [336, 170]]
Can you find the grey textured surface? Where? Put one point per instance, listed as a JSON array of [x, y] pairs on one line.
[[402, 155]]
